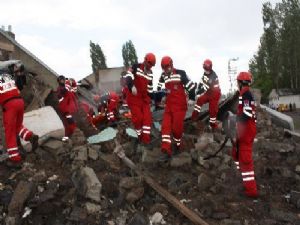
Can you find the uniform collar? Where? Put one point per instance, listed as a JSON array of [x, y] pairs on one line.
[[244, 89]]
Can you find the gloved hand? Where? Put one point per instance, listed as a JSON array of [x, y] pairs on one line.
[[133, 90], [195, 115], [70, 120]]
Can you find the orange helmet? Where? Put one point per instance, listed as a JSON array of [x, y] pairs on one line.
[[245, 77], [207, 65], [166, 62], [150, 59]]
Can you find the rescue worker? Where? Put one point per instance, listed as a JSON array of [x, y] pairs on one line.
[[246, 131], [13, 113], [108, 103], [176, 84], [16, 69], [139, 80], [209, 92], [67, 106]]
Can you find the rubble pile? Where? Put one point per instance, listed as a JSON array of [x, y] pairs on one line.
[[78, 182]]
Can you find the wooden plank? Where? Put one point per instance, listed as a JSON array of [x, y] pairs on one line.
[[190, 214], [6, 47]]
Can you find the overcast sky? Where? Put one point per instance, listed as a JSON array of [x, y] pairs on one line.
[[58, 32]]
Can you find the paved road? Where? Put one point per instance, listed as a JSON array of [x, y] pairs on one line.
[[296, 117]]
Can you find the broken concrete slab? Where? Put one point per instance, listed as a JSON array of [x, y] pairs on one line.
[[47, 116], [131, 133], [81, 153], [21, 194], [87, 183], [279, 118], [53, 144], [93, 153], [105, 135]]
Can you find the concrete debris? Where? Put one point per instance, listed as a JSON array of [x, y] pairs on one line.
[[92, 208], [52, 125], [105, 135], [131, 133], [157, 218], [204, 182], [87, 183], [21, 194], [93, 153], [139, 219], [162, 208], [183, 159], [151, 156], [76, 182]]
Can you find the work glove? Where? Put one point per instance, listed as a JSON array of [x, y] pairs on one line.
[[70, 120], [195, 115]]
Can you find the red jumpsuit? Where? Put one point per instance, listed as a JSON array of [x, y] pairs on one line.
[[176, 106], [109, 101], [246, 131], [139, 104], [210, 92], [13, 113], [67, 106]]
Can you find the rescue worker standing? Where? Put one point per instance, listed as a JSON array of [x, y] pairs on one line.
[[246, 131], [209, 91], [66, 105], [13, 113], [176, 83], [139, 83], [16, 71]]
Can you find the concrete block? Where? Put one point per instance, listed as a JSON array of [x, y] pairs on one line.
[[87, 183]]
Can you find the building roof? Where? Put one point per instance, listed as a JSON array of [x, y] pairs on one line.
[[286, 92], [275, 93], [27, 51]]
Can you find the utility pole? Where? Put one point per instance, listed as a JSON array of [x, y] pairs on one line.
[[232, 70]]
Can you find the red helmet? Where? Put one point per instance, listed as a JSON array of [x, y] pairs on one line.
[[150, 59], [207, 64], [96, 98], [166, 62], [244, 77]]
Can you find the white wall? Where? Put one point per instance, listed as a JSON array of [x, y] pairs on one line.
[[286, 100]]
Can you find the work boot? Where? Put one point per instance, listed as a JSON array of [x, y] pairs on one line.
[[34, 140], [165, 157]]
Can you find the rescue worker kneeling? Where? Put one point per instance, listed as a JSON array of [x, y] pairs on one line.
[[176, 83], [108, 103], [246, 131]]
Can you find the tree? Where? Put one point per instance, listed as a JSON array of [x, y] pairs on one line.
[[97, 57], [129, 54], [277, 61]]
